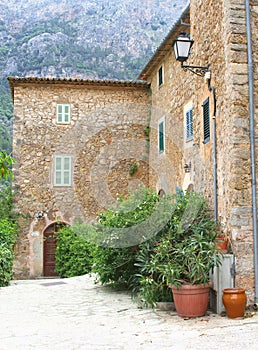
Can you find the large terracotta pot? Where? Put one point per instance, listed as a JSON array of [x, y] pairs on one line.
[[234, 300], [191, 300]]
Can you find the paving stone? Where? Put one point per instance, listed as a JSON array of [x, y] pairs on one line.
[[76, 313]]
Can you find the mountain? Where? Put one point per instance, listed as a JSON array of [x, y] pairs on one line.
[[102, 39]]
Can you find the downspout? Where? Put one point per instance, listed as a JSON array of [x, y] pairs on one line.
[[214, 146], [252, 145], [214, 149]]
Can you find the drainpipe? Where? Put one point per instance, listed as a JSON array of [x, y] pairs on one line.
[[214, 149], [252, 145], [214, 146]]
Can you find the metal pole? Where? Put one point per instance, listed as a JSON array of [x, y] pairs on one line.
[[252, 144]]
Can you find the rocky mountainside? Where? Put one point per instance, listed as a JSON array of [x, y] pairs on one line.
[[102, 39]]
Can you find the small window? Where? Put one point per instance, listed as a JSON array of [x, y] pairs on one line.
[[161, 135], [206, 121], [63, 114], [62, 171], [189, 124], [160, 76]]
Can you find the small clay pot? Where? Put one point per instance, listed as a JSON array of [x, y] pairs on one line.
[[222, 244], [234, 300]]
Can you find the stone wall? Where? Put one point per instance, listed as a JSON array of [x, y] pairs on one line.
[[219, 31], [105, 138]]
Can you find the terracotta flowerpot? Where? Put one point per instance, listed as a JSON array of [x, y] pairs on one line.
[[222, 244], [191, 300], [234, 300]]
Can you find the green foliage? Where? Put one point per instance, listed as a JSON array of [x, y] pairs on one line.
[[117, 265], [146, 283], [6, 265], [74, 255], [133, 168], [5, 139], [131, 210], [6, 161], [183, 252], [8, 232]]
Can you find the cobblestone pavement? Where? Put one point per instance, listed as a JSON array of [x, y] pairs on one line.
[[77, 314]]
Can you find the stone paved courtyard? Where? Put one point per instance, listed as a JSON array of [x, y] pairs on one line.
[[75, 314]]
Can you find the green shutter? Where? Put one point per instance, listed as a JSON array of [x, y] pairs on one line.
[[206, 121], [59, 113], [161, 137], [62, 176], [63, 114]]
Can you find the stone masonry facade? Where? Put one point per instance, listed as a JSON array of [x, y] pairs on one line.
[[104, 138], [105, 120], [219, 31]]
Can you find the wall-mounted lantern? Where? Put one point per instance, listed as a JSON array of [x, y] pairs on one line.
[[182, 49]]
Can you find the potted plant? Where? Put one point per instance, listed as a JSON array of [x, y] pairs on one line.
[[185, 254]]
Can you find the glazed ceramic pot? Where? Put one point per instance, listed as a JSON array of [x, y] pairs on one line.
[[234, 300]]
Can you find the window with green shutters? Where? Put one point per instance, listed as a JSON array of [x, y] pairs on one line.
[[206, 120], [62, 172], [63, 114], [189, 124], [161, 135]]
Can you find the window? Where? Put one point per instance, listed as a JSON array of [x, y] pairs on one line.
[[63, 114], [160, 76], [189, 124], [206, 120], [62, 171], [161, 135]]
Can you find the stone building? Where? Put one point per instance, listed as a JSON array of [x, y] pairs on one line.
[[206, 121], [201, 134], [74, 142]]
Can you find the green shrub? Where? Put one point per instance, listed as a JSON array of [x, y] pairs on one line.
[[115, 257], [115, 266], [8, 234], [6, 265], [183, 252], [74, 255]]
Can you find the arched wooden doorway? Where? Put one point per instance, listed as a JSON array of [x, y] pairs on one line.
[[49, 249]]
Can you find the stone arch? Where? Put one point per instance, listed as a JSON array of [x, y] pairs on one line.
[[161, 193]]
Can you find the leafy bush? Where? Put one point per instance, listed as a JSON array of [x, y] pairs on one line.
[[115, 257], [8, 232], [6, 161], [6, 202], [115, 266], [74, 255], [184, 251]]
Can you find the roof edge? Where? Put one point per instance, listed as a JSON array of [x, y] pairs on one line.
[[74, 81]]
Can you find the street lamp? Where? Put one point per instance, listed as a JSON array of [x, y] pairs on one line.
[[182, 49]]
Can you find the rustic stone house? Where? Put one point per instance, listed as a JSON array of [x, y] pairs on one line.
[[201, 139], [74, 142], [207, 121]]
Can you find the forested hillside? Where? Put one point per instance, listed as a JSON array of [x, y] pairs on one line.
[[102, 39]]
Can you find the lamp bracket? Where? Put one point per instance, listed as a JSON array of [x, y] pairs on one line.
[[198, 70]]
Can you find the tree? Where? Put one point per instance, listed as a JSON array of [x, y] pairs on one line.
[[6, 162]]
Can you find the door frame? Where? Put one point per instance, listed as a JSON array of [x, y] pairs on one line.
[[56, 226]]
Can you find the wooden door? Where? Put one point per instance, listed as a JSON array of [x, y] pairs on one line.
[[50, 251]]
